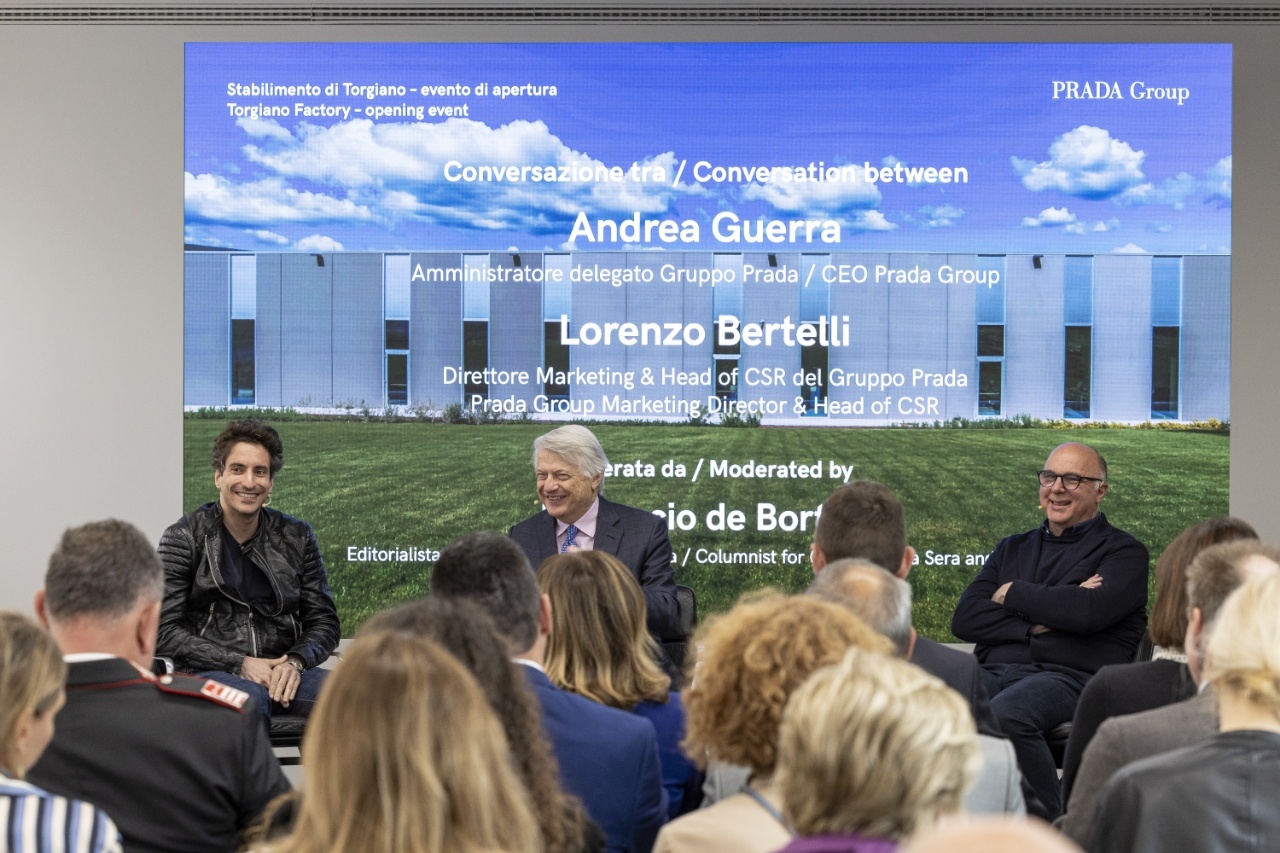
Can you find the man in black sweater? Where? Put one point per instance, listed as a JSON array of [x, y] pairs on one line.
[[1050, 607]]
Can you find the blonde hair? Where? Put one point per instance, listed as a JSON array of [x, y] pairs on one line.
[[403, 753], [599, 647], [754, 656], [874, 746], [1243, 654], [32, 675]]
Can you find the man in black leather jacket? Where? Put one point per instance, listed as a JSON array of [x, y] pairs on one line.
[[247, 598]]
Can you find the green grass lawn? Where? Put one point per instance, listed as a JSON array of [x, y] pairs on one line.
[[417, 485]]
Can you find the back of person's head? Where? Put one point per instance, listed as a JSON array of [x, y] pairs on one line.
[[101, 570], [464, 630], [1169, 613], [599, 646], [863, 519], [753, 657], [493, 572], [1220, 569], [984, 834], [32, 673], [878, 598], [403, 753], [250, 431], [576, 445], [1243, 652], [874, 746]]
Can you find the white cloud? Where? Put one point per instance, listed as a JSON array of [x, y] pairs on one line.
[[872, 220], [214, 199], [824, 198], [1218, 180], [263, 128], [1061, 217], [1086, 162], [1049, 217], [265, 236], [1129, 249], [318, 243], [398, 170], [940, 216]]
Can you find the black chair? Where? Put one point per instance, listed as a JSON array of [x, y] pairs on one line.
[[676, 645]]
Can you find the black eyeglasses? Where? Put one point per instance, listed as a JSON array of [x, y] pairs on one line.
[[1070, 482]]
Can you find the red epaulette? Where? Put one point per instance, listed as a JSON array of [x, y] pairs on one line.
[[203, 688]]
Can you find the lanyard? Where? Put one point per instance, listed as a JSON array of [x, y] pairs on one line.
[[769, 807]]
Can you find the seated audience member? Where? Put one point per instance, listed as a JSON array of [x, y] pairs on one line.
[[870, 750], [246, 598], [864, 520], [1214, 574], [753, 658], [599, 649], [32, 820], [1127, 688], [608, 758], [569, 466], [404, 754], [466, 632], [1219, 794], [179, 763], [884, 603], [1051, 607], [990, 835]]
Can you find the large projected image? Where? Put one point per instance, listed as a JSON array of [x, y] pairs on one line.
[[757, 271]]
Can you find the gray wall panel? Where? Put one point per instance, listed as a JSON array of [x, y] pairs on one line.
[[1206, 337], [306, 331], [515, 327], [358, 335], [206, 329], [1034, 337], [435, 329], [267, 341], [1121, 338]]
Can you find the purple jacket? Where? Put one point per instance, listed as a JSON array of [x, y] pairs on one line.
[[840, 844]]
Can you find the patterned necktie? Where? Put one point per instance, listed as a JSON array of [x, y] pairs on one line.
[[570, 532]]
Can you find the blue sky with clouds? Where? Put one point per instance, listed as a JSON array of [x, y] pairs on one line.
[[1046, 174]]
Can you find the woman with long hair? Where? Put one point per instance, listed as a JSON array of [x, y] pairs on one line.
[[465, 630], [599, 648], [404, 754], [32, 674]]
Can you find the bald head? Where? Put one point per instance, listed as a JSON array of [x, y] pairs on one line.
[[991, 835]]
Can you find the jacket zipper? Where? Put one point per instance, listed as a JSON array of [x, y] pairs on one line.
[[209, 621]]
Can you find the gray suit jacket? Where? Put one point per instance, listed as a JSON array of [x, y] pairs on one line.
[[1125, 739]]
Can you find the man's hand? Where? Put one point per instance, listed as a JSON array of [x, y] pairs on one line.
[[1040, 629], [260, 670], [285, 679], [1093, 582], [1000, 593]]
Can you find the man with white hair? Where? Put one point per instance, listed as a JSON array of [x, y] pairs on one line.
[[570, 466]]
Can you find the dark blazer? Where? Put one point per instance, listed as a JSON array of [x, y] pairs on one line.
[[176, 770], [609, 759], [637, 538], [1122, 740], [1125, 688], [961, 673], [1218, 796]]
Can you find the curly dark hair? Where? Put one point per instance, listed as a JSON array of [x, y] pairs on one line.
[[250, 431]]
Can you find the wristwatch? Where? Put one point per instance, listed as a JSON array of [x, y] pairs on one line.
[[297, 664]]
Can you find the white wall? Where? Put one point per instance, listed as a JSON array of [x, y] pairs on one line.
[[91, 256]]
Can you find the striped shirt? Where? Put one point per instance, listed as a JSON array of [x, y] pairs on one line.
[[35, 821]]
